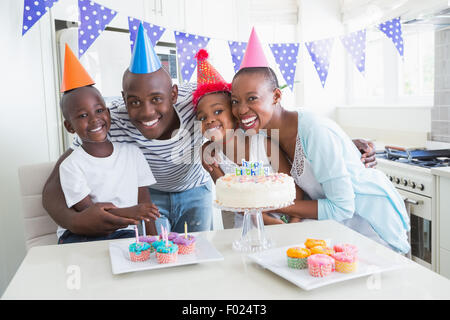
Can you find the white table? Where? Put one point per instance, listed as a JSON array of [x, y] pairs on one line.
[[46, 273]]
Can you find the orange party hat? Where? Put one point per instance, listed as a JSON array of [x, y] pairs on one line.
[[209, 79], [74, 74]]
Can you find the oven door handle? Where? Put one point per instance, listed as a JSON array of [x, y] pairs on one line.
[[412, 201]]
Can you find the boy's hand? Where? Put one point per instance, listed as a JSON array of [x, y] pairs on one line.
[[367, 149], [271, 220], [96, 220], [146, 211]]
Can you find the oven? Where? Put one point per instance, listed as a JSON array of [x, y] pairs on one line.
[[419, 209], [416, 185]]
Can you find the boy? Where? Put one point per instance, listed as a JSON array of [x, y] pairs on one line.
[[99, 170]]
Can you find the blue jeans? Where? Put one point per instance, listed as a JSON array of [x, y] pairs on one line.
[[69, 237], [193, 206]]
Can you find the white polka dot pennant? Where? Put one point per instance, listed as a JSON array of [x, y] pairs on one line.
[[355, 43], [94, 18], [393, 30], [237, 50], [319, 51], [187, 47], [286, 57], [33, 10], [154, 32]]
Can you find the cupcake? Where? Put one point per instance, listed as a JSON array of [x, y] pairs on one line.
[[160, 242], [297, 257], [139, 251], [171, 236], [346, 247], [310, 243], [167, 254], [345, 262], [186, 245], [149, 240], [322, 250], [320, 265]]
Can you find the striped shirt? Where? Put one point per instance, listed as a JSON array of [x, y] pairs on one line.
[[175, 163]]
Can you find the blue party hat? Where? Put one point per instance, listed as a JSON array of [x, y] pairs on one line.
[[144, 58]]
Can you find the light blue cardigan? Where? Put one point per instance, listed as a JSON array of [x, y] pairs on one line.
[[349, 187]]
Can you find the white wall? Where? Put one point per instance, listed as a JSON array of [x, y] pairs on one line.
[[28, 125]]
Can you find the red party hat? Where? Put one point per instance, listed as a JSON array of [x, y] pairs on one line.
[[254, 53], [209, 79], [74, 74]]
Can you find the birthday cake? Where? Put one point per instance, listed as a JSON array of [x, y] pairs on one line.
[[255, 191]]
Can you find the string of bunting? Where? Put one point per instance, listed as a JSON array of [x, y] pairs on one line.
[[94, 18]]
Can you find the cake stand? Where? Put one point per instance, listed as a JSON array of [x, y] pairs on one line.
[[253, 237]]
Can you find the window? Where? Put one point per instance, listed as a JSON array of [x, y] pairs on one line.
[[389, 79]]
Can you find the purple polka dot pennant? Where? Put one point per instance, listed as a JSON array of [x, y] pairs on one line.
[[93, 20], [237, 50], [187, 47], [393, 30], [33, 10], [154, 32], [320, 54], [286, 57], [355, 43]]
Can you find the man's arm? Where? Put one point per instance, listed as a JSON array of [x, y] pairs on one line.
[[94, 220]]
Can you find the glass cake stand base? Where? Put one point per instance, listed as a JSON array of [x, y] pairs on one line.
[[253, 237]]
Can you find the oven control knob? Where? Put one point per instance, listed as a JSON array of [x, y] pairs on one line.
[[413, 185], [405, 182], [391, 178], [421, 187], [397, 180]]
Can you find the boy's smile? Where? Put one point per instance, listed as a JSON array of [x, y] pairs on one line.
[[86, 115]]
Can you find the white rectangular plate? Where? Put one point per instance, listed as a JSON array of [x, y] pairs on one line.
[[276, 261], [121, 263]]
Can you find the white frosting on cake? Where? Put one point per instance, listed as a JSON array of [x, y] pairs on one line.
[[272, 190]]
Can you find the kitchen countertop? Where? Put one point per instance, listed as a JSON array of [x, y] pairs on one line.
[[442, 172], [45, 272]]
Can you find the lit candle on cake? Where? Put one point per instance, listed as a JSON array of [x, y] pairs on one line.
[[185, 230]]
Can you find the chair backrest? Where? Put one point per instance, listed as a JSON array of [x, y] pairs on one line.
[[40, 229]]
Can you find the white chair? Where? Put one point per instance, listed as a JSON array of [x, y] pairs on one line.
[[40, 229]]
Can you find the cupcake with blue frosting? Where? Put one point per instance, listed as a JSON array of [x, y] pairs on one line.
[[139, 251]]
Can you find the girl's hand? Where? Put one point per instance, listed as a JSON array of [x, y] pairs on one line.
[[208, 156]]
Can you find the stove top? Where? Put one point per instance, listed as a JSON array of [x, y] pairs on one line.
[[417, 157]]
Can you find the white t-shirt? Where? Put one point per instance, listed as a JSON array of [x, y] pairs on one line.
[[114, 179]]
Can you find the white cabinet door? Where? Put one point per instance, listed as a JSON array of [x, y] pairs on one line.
[[444, 212], [444, 263]]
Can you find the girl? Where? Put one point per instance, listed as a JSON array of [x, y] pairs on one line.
[[213, 109], [325, 163]]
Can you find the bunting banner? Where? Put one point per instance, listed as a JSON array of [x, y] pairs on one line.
[[320, 54], [355, 44], [33, 10], [237, 50], [95, 17], [286, 57], [187, 46], [93, 20], [154, 32], [393, 30]]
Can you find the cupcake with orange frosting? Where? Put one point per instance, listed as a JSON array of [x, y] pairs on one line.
[[345, 262], [322, 250], [311, 243], [297, 257]]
